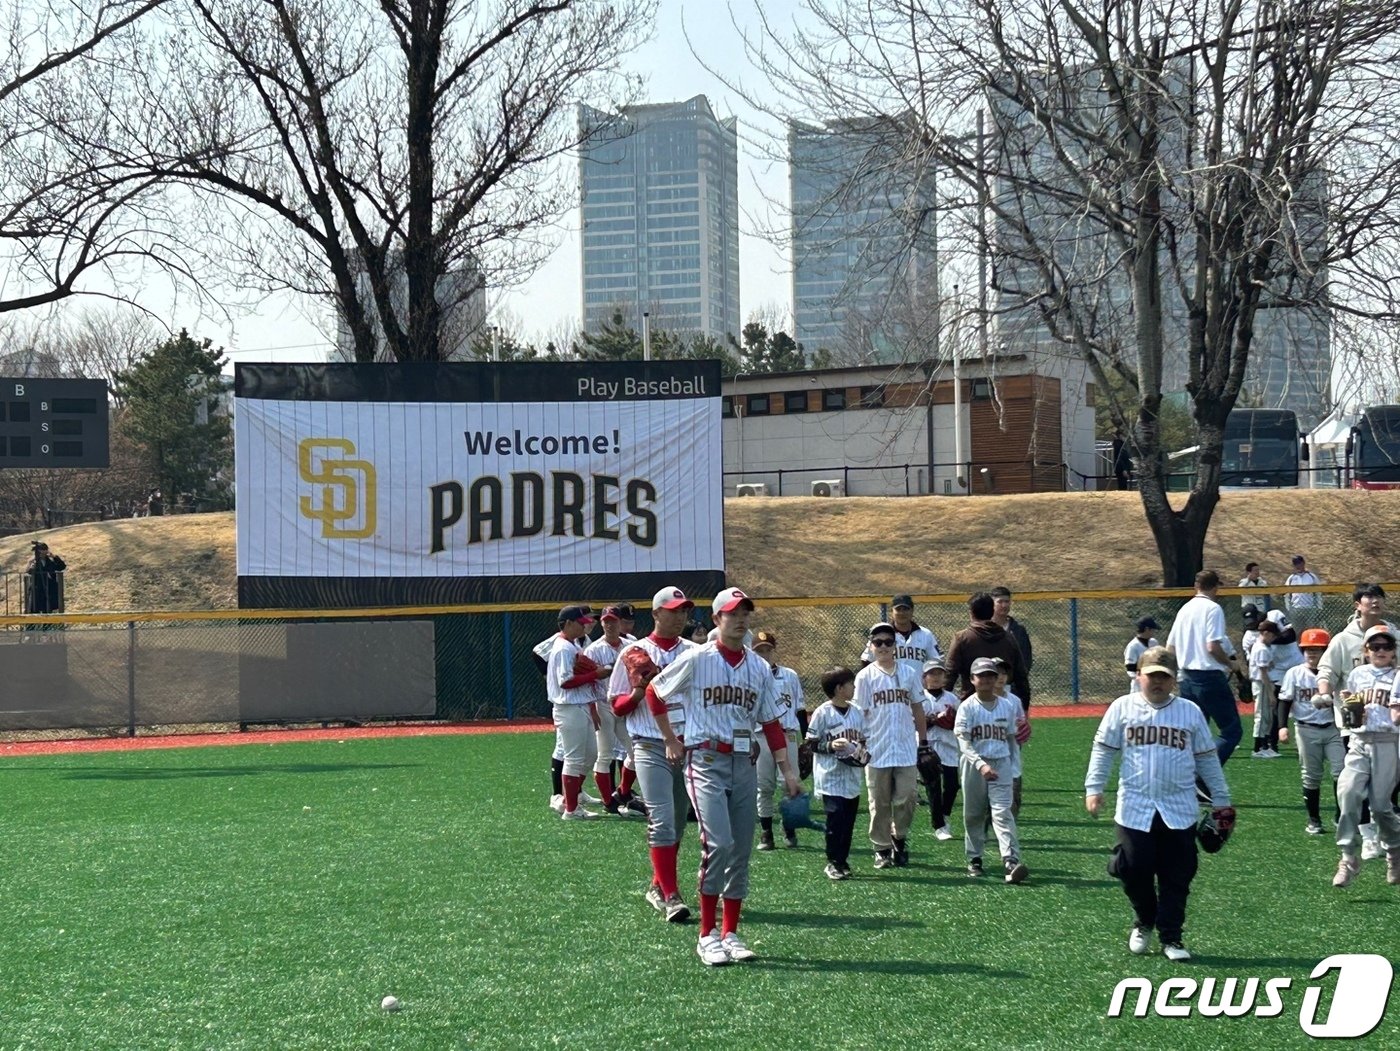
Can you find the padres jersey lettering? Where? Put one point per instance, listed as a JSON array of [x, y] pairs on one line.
[[830, 776], [1167, 736], [1374, 686], [1300, 687], [987, 732], [640, 721], [1162, 750], [719, 699], [886, 700]]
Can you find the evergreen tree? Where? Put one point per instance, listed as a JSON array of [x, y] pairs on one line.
[[171, 397]]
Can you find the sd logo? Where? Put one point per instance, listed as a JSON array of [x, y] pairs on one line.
[[347, 488]]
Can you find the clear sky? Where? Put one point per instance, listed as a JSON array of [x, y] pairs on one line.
[[287, 328]]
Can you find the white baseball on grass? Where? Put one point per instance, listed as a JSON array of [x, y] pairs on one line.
[[390, 1003]]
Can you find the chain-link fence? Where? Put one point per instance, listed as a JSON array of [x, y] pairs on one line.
[[148, 672]]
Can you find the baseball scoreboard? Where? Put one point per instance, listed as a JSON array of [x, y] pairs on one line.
[[53, 423], [444, 483]]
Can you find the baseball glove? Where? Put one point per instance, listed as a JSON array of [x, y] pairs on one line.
[[1023, 730], [641, 669], [584, 665], [946, 719], [804, 759], [1215, 828], [855, 755]]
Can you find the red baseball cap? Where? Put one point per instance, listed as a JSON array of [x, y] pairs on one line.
[[671, 598], [729, 600]]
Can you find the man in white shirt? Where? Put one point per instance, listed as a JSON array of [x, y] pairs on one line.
[[1304, 607], [1252, 579], [1202, 649]]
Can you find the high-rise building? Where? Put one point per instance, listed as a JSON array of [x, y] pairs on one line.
[[864, 249], [1046, 244], [660, 188]]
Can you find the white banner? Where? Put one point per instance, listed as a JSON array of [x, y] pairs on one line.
[[443, 489]]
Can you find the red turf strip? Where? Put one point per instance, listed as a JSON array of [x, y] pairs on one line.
[[132, 744]]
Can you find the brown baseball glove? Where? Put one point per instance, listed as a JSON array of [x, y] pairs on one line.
[[641, 669]]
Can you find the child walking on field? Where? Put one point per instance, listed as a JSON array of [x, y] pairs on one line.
[[986, 732], [1370, 710]]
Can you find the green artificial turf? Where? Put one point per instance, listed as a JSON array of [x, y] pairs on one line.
[[188, 898]]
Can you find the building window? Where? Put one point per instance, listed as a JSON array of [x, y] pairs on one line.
[[795, 401], [982, 390], [872, 397], [727, 408], [756, 405], [833, 400]]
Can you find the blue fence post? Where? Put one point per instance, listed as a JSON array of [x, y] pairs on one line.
[[1074, 650], [510, 671]]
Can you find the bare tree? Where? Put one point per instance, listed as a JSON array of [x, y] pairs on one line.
[[79, 206], [1159, 175], [390, 158]]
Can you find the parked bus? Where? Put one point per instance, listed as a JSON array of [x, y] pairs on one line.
[[1261, 450], [1373, 449]]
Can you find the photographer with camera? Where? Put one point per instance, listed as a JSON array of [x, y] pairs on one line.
[[43, 592]]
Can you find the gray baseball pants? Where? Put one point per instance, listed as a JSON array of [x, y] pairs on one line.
[[1368, 776], [662, 784], [768, 770], [723, 786], [1316, 745], [982, 797], [579, 737]]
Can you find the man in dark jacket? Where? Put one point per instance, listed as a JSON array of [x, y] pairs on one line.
[[1001, 614], [984, 637], [42, 593]]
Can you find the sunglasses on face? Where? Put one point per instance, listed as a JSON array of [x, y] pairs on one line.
[[882, 642], [1382, 646]]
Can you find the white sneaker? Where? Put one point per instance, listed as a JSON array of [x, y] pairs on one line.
[[1371, 849], [578, 814], [584, 797], [556, 803], [1347, 869], [655, 898], [1270, 753], [941, 832], [736, 949], [711, 951], [1140, 941], [1175, 951]]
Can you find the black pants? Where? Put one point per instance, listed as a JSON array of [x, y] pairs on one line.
[[1157, 868], [941, 784], [840, 825]]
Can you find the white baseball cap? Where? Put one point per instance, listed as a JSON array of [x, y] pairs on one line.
[[671, 598], [729, 600]]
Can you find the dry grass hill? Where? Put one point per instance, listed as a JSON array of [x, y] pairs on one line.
[[799, 546]]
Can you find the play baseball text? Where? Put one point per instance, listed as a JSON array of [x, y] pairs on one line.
[[632, 387]]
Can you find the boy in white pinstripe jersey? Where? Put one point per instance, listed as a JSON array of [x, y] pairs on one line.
[[889, 694], [1165, 745], [986, 732]]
